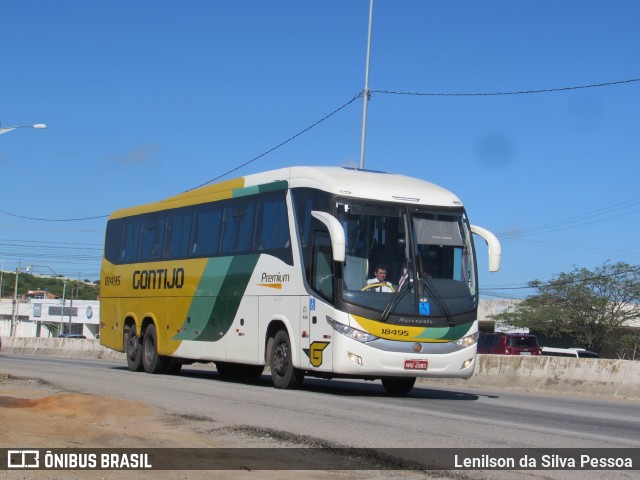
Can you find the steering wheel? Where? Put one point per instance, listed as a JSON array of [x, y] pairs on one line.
[[376, 285]]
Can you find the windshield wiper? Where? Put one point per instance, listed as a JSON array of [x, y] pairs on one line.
[[432, 292], [397, 296]]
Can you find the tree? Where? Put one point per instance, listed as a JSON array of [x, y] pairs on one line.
[[591, 306]]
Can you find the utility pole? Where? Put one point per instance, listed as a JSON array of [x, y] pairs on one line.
[[14, 310], [366, 92], [14, 307], [70, 308], [1, 277], [64, 290]]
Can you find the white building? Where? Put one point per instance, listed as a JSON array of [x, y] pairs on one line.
[[47, 318]]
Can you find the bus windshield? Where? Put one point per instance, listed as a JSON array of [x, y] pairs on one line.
[[427, 256]]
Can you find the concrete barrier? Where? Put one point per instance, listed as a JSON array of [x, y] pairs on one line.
[[576, 376], [604, 376], [58, 347]]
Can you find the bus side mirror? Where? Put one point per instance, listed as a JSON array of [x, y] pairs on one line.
[[495, 250], [336, 232]]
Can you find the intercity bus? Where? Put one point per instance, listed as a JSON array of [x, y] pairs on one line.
[[271, 270]]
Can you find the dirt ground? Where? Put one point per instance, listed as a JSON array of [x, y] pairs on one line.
[[37, 415]]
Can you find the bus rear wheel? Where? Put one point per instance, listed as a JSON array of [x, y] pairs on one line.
[[283, 374], [398, 385], [151, 361], [133, 350]]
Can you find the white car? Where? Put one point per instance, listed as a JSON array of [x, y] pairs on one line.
[[568, 352]]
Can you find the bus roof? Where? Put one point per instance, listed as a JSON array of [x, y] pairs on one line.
[[348, 182]]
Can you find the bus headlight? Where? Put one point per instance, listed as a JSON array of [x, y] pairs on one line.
[[469, 340], [352, 333]]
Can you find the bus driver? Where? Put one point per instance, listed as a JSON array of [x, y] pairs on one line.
[[379, 282]]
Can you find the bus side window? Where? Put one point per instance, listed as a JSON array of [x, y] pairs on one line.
[[113, 241], [272, 226], [177, 235], [237, 235], [206, 231], [151, 237], [130, 240]]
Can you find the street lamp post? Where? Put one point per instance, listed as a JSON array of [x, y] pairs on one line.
[[8, 129]]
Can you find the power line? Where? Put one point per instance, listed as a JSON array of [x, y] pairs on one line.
[[577, 220], [53, 219], [326, 117], [559, 282], [301, 132], [517, 92]]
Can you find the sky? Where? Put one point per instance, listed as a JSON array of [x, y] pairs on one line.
[[147, 99]]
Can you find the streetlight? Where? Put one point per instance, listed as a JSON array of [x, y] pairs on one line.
[[8, 129]]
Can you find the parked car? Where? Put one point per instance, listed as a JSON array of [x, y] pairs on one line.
[[499, 343], [569, 352], [71, 335]]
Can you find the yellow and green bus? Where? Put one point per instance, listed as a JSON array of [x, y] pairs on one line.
[[271, 269]]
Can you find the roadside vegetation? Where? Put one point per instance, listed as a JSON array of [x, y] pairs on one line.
[[599, 309], [81, 290]]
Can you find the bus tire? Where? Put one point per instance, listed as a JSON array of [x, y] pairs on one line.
[[398, 385], [283, 374], [151, 361], [133, 350]]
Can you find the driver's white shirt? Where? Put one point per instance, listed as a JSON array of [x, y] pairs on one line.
[[384, 287]]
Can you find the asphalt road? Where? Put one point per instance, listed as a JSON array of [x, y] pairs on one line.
[[360, 414]]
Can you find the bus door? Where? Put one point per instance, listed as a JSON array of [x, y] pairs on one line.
[[320, 335], [322, 282]]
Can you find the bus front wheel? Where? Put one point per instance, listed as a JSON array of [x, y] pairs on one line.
[[283, 374], [151, 361], [133, 350], [398, 385]]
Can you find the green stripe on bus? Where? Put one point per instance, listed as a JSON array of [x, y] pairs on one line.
[[444, 333], [218, 297], [267, 187]]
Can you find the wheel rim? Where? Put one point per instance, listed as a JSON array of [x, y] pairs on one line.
[[149, 351], [132, 347], [281, 359]]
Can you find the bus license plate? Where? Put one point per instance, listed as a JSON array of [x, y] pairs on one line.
[[415, 364]]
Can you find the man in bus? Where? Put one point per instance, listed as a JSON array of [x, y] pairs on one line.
[[379, 282]]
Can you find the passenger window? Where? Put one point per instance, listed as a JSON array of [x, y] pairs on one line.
[[130, 240], [206, 231], [151, 237], [177, 233], [272, 229], [238, 222]]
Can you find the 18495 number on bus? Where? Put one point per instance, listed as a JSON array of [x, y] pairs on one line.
[[112, 281]]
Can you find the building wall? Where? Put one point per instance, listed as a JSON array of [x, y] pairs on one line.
[[46, 318]]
